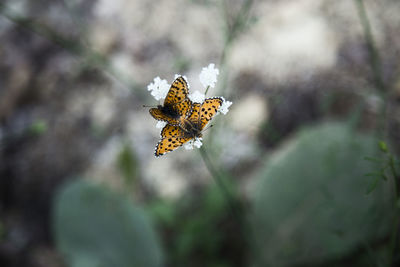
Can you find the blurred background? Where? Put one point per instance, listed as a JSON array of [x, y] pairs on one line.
[[303, 170]]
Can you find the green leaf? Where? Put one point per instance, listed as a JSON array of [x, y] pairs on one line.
[[94, 226], [310, 204], [383, 147]]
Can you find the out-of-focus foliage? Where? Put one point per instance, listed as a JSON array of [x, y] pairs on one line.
[[128, 165], [94, 226], [200, 230], [311, 204]]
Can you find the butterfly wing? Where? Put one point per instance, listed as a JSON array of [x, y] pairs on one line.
[[159, 115], [184, 109], [208, 109], [195, 116], [172, 137], [177, 92]]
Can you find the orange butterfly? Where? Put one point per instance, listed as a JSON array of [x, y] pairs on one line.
[[177, 106], [173, 137]]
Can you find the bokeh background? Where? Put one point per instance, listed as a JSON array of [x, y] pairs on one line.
[[294, 175]]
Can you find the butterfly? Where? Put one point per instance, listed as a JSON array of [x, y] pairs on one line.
[[177, 106], [173, 137]]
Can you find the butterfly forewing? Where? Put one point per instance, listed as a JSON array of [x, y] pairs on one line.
[[177, 106], [178, 91]]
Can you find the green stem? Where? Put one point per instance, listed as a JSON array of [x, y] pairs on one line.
[[208, 87], [219, 181], [246, 231]]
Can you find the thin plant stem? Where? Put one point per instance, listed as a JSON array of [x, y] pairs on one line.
[[375, 63], [232, 31], [218, 180], [208, 87], [394, 242], [247, 231]]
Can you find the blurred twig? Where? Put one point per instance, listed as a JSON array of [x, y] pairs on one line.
[[375, 62], [75, 47], [232, 31], [239, 22], [374, 58]]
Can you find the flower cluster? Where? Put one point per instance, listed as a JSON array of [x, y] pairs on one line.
[[159, 89]]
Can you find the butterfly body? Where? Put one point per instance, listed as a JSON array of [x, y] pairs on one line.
[[177, 106], [192, 129], [173, 137]]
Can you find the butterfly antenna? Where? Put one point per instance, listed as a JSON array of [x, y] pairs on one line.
[[208, 127], [149, 106]]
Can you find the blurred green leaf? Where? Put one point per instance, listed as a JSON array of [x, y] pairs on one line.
[[127, 164], [163, 212], [383, 146], [373, 184], [94, 226], [376, 160], [310, 205], [38, 127]]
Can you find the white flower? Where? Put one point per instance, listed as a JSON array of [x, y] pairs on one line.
[[224, 108], [208, 76], [161, 124], [197, 142], [159, 88], [197, 97]]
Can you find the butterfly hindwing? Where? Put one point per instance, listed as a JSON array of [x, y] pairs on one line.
[[184, 108], [172, 137], [208, 109], [159, 115], [170, 130], [168, 144], [195, 116]]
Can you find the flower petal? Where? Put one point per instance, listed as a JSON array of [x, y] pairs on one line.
[[161, 124], [208, 76], [224, 108], [197, 97], [159, 88]]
